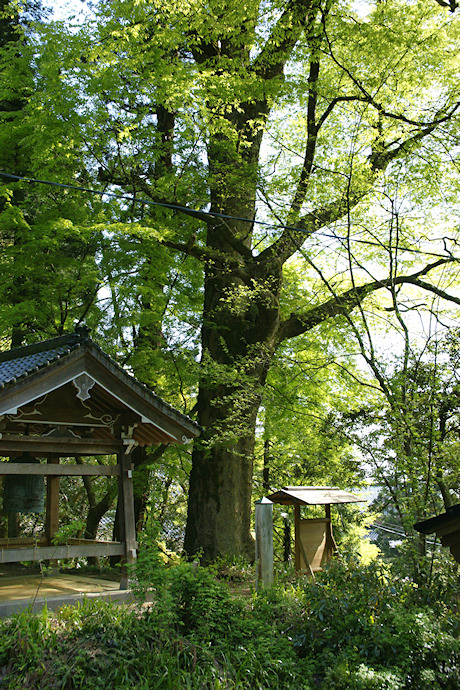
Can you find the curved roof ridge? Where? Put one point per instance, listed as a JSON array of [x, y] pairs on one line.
[[78, 337]]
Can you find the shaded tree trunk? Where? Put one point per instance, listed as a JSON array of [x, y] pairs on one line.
[[239, 339], [219, 506]]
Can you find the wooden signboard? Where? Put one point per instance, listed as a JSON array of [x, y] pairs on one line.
[[313, 539], [314, 542]]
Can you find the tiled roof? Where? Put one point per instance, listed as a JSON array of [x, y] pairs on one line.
[[23, 361]]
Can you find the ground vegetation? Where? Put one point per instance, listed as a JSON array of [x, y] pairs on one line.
[[357, 627]]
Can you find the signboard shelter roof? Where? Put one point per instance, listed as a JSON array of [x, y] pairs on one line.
[[313, 495]]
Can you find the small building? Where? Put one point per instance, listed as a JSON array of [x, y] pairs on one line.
[[61, 400], [314, 541], [446, 526]]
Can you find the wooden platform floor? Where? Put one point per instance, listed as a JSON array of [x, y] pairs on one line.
[[22, 591]]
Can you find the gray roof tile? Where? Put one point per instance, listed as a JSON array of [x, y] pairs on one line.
[[23, 361], [22, 366]]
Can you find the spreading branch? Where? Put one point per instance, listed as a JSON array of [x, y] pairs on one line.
[[343, 304], [379, 159]]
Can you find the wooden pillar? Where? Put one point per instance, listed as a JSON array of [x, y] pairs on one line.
[[264, 542], [13, 521], [330, 545], [126, 515], [13, 529], [297, 537], [52, 500], [287, 548], [52, 506]]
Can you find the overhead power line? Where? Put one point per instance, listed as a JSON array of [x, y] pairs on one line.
[[150, 202], [200, 214], [397, 532]]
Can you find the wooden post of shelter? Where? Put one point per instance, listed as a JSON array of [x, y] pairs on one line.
[[52, 500], [126, 515], [264, 542], [287, 551], [330, 546]]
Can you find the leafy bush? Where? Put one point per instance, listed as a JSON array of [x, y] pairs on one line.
[[357, 627], [365, 629]]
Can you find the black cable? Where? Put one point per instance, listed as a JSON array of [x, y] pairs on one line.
[[125, 197], [192, 211]]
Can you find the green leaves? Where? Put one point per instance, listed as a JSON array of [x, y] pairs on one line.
[[341, 120]]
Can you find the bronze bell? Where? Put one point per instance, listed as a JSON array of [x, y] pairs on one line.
[[24, 493]]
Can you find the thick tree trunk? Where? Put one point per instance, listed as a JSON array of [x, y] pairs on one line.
[[238, 337], [219, 506]]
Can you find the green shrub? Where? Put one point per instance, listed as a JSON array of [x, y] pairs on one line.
[[363, 626], [357, 627]]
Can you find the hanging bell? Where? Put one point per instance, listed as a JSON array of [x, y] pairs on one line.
[[24, 493]]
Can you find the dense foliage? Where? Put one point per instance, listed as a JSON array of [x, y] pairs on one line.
[[310, 146], [357, 628]]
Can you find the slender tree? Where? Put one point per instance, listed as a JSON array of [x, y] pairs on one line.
[[49, 279]]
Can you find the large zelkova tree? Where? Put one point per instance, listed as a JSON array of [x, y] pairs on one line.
[[291, 113]]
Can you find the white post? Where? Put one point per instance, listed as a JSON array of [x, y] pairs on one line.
[[264, 542]]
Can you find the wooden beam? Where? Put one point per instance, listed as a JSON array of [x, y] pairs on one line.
[[59, 470], [44, 445], [46, 553], [451, 538], [63, 408], [455, 551], [31, 542], [75, 541], [452, 526], [6, 542]]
